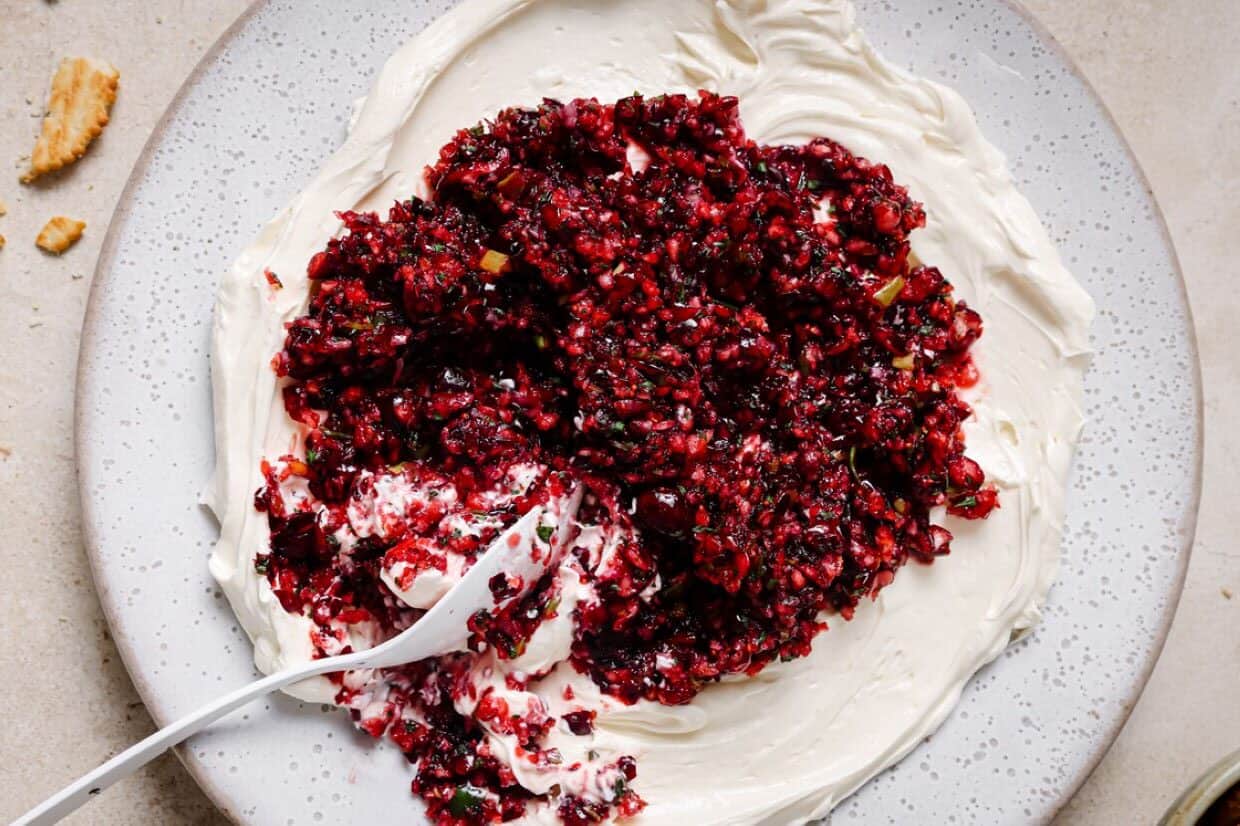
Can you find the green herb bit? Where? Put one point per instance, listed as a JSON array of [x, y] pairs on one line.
[[466, 801]]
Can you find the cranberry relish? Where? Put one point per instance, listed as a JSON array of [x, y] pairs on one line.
[[726, 342]]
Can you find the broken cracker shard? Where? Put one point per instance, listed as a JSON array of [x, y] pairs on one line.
[[59, 233], [83, 91]]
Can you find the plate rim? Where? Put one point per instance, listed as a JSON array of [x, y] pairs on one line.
[[162, 716]]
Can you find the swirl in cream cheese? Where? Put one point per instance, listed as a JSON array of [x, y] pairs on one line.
[[787, 745]]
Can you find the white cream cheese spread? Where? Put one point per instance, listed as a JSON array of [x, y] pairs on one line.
[[787, 745]]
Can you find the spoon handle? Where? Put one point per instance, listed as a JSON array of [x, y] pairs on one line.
[[135, 757]]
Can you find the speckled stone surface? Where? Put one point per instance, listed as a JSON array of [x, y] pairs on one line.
[[1149, 66]]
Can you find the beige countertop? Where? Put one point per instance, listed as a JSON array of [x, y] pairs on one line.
[[1167, 70]]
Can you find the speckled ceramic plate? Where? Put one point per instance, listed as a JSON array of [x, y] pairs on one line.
[[250, 127]]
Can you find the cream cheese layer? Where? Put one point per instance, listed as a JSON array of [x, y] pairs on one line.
[[787, 745]]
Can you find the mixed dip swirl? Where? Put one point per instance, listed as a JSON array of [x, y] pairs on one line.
[[731, 382]]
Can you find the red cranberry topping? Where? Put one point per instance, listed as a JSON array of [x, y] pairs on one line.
[[729, 347], [460, 779], [580, 723]]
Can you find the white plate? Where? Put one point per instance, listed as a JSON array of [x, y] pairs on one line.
[[251, 126]]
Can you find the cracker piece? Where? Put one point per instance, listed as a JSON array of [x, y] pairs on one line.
[[60, 233], [83, 90]]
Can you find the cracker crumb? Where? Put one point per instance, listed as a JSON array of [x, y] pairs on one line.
[[1226, 592], [59, 233]]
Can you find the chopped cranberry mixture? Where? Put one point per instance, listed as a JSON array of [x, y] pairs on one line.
[[727, 343]]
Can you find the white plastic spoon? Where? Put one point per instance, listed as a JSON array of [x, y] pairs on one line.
[[441, 630]]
